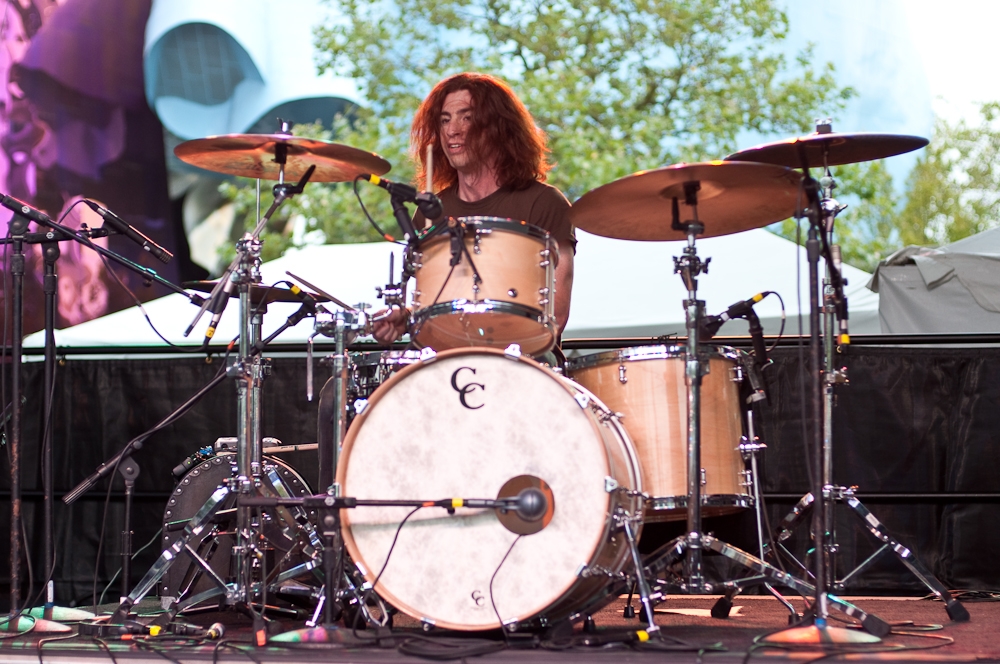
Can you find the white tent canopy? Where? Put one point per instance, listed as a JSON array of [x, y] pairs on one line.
[[621, 289], [951, 290]]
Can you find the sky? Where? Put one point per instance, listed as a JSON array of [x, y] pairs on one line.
[[957, 45], [908, 61]]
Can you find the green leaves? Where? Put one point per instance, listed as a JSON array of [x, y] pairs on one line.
[[618, 85]]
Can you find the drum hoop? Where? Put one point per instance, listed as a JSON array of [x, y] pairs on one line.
[[663, 503], [640, 353], [358, 423], [463, 306], [493, 223]]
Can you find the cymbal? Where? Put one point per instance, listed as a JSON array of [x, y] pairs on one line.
[[267, 294], [733, 197], [252, 156], [830, 149]]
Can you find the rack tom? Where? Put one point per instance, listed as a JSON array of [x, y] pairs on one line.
[[513, 300], [646, 385]]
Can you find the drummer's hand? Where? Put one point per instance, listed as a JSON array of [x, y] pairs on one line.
[[391, 327]]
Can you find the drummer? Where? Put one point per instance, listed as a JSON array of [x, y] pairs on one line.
[[490, 160]]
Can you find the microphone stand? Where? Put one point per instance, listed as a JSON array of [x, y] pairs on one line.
[[18, 227]]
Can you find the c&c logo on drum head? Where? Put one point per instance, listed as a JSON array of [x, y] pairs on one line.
[[466, 389]]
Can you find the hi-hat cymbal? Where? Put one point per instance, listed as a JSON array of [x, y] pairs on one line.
[[732, 197], [830, 149], [253, 156], [267, 294]]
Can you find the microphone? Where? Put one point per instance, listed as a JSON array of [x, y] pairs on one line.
[[428, 204], [530, 504], [130, 232], [25, 210], [217, 307], [189, 463], [759, 357], [711, 324]]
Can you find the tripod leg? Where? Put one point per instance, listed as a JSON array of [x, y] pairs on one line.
[[956, 611], [640, 576], [872, 624], [796, 516]]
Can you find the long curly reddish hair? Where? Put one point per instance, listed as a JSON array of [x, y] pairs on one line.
[[502, 129]]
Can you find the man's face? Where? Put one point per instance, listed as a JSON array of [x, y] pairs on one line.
[[456, 118]]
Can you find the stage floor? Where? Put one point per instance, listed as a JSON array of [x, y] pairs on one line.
[[921, 632]]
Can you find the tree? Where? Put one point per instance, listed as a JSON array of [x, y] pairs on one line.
[[618, 86]]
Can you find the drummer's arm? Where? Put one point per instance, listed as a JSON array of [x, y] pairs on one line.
[[564, 284]]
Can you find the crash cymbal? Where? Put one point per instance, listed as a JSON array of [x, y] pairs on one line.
[[257, 293], [253, 156], [830, 149], [733, 197]]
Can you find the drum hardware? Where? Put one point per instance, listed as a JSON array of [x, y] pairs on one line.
[[825, 149], [624, 209], [251, 476]]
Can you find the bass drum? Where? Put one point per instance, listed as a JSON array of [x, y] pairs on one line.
[[284, 542], [485, 418]]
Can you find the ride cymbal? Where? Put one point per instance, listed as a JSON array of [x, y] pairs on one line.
[[258, 293], [254, 156], [830, 149], [731, 197]]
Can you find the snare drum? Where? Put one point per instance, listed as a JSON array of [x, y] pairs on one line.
[[514, 301], [646, 384], [491, 417]]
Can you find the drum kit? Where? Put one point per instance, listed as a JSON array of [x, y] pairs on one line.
[[523, 486]]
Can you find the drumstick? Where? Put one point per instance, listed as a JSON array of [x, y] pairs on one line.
[[430, 175]]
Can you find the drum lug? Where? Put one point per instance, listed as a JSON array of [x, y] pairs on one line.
[[360, 405], [427, 355], [475, 243], [512, 351], [704, 477], [582, 399], [747, 480], [610, 484], [427, 624], [736, 373], [622, 378], [511, 625]]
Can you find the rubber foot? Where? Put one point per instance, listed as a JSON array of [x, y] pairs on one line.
[[722, 607], [876, 626], [956, 611], [629, 612]]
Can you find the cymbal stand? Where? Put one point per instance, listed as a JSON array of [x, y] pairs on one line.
[[694, 543], [835, 337], [249, 369]]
